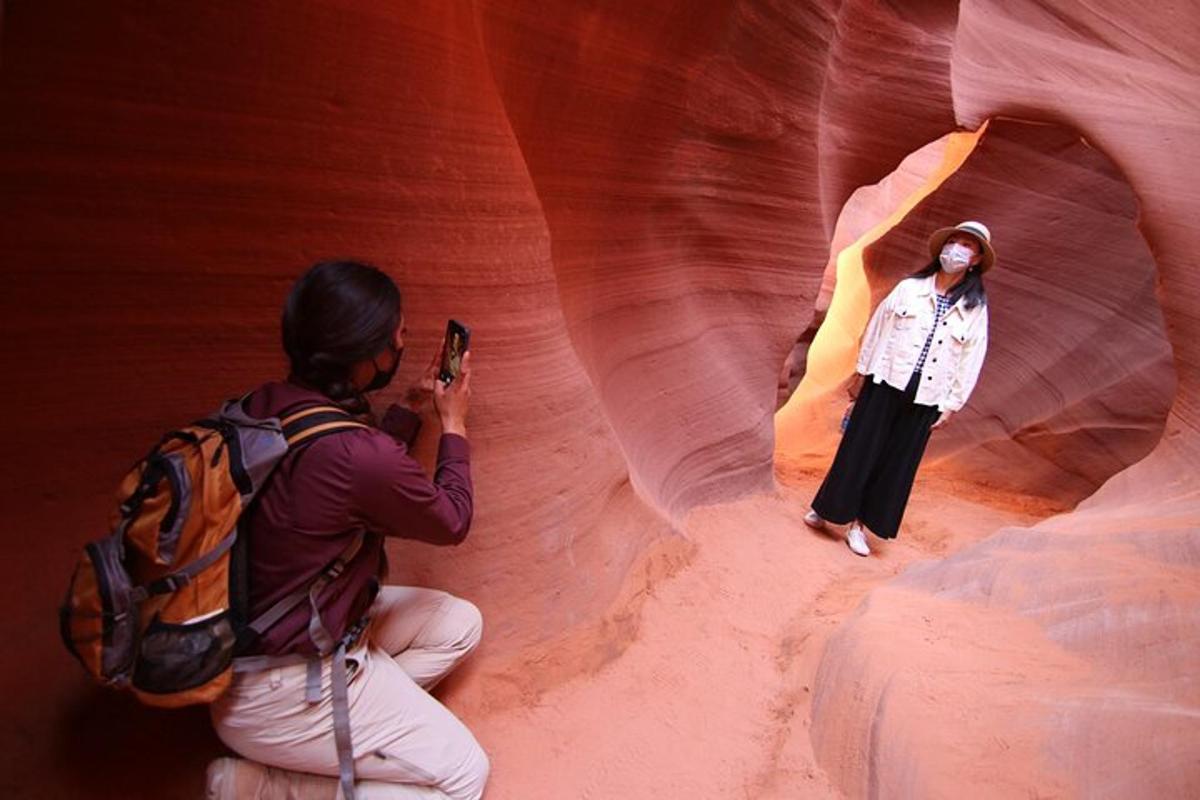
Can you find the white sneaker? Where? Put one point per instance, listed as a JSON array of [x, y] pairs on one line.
[[813, 520], [857, 539]]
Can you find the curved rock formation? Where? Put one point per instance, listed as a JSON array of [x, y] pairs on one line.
[[1079, 375], [873, 111], [671, 148], [167, 175], [632, 204], [1052, 657]]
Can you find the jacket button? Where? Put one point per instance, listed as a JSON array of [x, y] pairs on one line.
[[939, 341], [935, 361]]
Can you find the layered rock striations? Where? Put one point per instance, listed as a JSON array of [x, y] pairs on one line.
[[1049, 658], [632, 206], [1079, 375], [671, 147], [1054, 657], [166, 176]]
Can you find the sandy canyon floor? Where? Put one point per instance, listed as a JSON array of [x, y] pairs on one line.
[[712, 698]]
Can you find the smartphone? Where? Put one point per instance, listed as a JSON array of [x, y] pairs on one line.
[[458, 339]]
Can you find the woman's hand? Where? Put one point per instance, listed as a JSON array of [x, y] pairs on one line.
[[453, 400], [943, 419], [854, 387]]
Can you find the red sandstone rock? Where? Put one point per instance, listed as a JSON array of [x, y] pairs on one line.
[[631, 203], [1050, 657], [1056, 654], [1079, 376], [671, 147], [167, 175]]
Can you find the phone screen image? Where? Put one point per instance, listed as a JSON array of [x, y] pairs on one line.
[[458, 337]]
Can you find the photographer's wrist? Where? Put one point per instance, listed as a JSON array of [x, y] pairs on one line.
[[455, 426]]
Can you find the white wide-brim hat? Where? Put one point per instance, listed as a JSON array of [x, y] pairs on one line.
[[976, 229]]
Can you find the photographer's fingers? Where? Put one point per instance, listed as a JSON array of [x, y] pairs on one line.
[[464, 373], [435, 364]]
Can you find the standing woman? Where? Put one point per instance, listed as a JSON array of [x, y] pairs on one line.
[[921, 357], [316, 532]]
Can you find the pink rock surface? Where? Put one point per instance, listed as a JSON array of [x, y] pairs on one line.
[[632, 205], [1053, 657], [1126, 80], [166, 176], [671, 148], [1079, 375], [875, 112], [1050, 657]]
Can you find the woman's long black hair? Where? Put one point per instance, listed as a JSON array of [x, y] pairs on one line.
[[337, 314], [970, 287]]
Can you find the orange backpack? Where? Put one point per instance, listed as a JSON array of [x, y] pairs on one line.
[[159, 605]]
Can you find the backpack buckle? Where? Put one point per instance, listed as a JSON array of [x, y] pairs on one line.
[[168, 583], [177, 581]]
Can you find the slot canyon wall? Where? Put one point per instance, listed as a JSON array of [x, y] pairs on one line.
[[1072, 632], [1079, 376], [632, 204]]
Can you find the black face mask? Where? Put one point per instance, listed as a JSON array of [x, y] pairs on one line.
[[384, 377]]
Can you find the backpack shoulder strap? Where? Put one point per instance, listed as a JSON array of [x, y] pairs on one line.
[[314, 422], [309, 592], [301, 427], [180, 578]]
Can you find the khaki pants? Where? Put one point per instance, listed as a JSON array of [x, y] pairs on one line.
[[406, 743]]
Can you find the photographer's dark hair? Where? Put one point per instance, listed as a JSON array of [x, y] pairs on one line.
[[970, 287], [337, 314]]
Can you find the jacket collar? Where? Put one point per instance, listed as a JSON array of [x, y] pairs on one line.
[[926, 288]]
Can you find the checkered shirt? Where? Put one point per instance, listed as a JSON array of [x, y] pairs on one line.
[[943, 305]]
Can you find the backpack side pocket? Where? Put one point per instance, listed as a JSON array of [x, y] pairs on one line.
[[176, 658], [98, 619]]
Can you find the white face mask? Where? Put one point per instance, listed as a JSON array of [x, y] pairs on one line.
[[955, 258]]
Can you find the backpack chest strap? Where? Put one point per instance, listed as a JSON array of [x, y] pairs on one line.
[[180, 578]]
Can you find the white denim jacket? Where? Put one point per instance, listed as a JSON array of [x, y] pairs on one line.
[[897, 332]]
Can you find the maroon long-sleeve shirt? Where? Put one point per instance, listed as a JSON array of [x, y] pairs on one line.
[[324, 493]]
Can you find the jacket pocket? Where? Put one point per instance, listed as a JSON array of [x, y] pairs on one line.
[[904, 318]]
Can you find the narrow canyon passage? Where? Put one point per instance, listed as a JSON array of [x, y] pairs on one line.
[[633, 205], [712, 698]]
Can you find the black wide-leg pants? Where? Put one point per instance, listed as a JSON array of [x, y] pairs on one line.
[[873, 471]]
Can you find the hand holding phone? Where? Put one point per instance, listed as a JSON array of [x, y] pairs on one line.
[[452, 390], [455, 346]]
